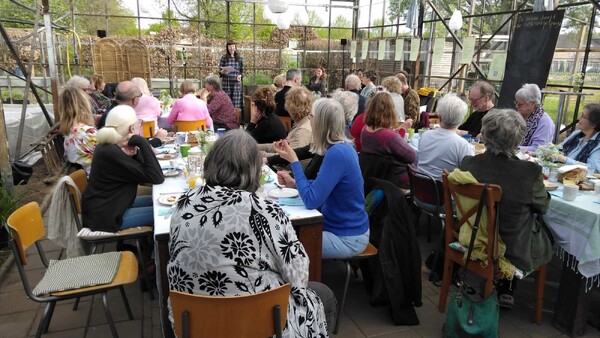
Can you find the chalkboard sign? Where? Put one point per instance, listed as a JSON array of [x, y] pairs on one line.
[[530, 53]]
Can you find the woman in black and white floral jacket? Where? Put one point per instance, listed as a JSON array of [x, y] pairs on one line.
[[227, 241]]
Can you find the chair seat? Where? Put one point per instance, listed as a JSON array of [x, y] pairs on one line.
[[370, 251], [126, 274], [88, 235]]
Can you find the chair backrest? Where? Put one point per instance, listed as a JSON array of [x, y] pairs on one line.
[[287, 122], [27, 227], [80, 179], [425, 189], [238, 115], [379, 166], [197, 125], [241, 316], [148, 128], [462, 195]]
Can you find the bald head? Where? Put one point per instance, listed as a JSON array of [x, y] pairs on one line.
[[127, 93]]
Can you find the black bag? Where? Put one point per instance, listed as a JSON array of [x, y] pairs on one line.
[[21, 172], [468, 315]]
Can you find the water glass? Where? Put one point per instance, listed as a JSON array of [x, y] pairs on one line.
[[570, 192]]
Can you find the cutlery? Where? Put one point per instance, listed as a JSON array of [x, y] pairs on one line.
[[172, 193], [170, 212]]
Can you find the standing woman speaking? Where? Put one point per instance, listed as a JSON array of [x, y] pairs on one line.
[[232, 68]]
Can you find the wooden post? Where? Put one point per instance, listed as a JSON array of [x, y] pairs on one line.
[[5, 168]]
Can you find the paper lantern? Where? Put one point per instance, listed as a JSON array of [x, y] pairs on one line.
[[456, 21], [283, 22], [267, 14], [278, 6], [302, 17]]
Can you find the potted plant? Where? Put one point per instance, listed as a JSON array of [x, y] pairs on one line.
[[9, 202], [17, 96]]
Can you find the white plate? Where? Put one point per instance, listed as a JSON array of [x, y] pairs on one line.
[[522, 156], [172, 172], [283, 193], [168, 199], [166, 156]]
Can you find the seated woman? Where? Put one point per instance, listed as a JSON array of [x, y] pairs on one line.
[[394, 87], [278, 82], [220, 107], [148, 107], [442, 148], [349, 102], [97, 95], [122, 160], [523, 194], [380, 138], [583, 146], [298, 103], [77, 126], [264, 125], [318, 82], [540, 127], [241, 244], [189, 107], [338, 189]]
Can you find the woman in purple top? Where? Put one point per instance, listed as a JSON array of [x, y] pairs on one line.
[[219, 104], [540, 127], [379, 136]]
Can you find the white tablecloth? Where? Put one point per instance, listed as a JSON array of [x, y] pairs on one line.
[[576, 229]]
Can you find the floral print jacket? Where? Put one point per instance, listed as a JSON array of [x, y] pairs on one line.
[[80, 145], [227, 242]]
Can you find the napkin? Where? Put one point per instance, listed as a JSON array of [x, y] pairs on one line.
[[291, 201], [164, 211]]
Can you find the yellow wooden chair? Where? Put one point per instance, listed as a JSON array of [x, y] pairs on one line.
[[198, 125], [27, 228], [148, 128], [259, 315], [287, 122], [136, 234]]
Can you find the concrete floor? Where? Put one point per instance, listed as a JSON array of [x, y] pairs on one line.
[[19, 316]]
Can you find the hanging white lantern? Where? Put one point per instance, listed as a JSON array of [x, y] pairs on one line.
[[278, 6], [283, 22], [456, 21], [144, 8], [267, 14], [302, 17]]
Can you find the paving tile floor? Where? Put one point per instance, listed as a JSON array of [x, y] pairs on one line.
[[19, 316]]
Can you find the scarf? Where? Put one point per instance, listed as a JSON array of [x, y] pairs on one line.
[[583, 155], [532, 123]]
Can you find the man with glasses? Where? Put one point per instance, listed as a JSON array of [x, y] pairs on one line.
[[127, 93], [481, 95]]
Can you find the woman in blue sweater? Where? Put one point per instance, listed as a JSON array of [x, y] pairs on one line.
[[338, 189]]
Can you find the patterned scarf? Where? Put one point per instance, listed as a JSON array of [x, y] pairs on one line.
[[587, 149], [532, 123]]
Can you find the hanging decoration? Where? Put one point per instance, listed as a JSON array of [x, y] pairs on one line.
[[543, 5], [283, 21], [267, 14], [302, 17], [456, 21], [412, 16], [278, 6]]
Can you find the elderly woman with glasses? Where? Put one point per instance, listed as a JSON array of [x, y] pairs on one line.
[[442, 148], [540, 127], [583, 146], [227, 241], [523, 196], [122, 160], [338, 189]]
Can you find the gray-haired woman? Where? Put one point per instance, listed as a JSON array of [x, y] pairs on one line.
[[122, 160], [227, 241], [442, 148], [338, 189], [220, 107], [523, 194], [540, 127]]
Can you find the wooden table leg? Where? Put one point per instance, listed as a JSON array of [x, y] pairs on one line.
[[161, 252], [572, 302], [311, 237]]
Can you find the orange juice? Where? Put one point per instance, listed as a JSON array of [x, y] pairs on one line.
[[192, 181]]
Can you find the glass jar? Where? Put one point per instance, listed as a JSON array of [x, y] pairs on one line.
[[195, 161]]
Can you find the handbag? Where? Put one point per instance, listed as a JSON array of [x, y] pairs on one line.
[[468, 315], [21, 172]]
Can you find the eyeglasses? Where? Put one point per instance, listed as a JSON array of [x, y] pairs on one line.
[[517, 104], [475, 100], [584, 117]]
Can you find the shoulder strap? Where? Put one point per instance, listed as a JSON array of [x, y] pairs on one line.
[[482, 202]]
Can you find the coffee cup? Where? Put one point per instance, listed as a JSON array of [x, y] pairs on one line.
[[411, 133], [570, 192], [184, 149], [180, 137], [173, 163]]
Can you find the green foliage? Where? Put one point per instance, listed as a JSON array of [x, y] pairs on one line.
[[9, 202], [261, 78], [342, 31]]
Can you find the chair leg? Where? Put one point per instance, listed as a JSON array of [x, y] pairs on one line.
[[109, 318], [337, 320], [49, 316], [93, 248], [448, 267], [126, 302], [428, 228], [45, 317], [416, 225], [143, 268], [76, 304], [540, 280]]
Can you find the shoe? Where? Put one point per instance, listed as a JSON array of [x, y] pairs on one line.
[[506, 301]]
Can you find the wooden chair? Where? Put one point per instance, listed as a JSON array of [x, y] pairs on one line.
[[489, 269], [136, 234], [259, 315], [238, 115], [27, 228], [287, 122], [148, 128], [189, 125], [427, 195]]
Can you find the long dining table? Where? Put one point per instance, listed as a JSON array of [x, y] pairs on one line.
[[307, 223]]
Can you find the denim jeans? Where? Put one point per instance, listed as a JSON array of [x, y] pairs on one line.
[[139, 214], [335, 246]]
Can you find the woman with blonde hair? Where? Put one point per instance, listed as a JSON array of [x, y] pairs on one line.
[[189, 107], [264, 125], [148, 107], [77, 126], [338, 189], [380, 137], [278, 82], [122, 160], [394, 88]]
